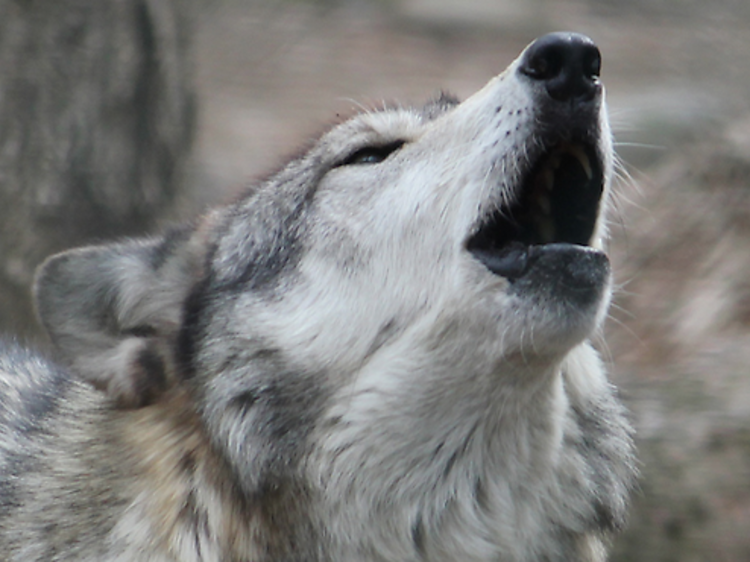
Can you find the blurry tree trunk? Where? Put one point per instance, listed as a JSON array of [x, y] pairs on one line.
[[96, 124]]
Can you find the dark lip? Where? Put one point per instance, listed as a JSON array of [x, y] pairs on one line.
[[557, 203]]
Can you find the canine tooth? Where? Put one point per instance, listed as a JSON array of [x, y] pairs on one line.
[[583, 159]]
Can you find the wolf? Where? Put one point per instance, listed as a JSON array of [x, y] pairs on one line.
[[380, 353]]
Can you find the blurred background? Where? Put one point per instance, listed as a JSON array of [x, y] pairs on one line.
[[119, 117]]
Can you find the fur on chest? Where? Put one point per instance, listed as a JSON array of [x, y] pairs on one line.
[[540, 475]]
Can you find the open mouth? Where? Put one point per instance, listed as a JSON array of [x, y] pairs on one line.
[[558, 203]]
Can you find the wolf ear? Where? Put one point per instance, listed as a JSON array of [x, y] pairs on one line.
[[113, 312]]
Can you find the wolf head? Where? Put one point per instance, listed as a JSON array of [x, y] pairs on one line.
[[437, 252]]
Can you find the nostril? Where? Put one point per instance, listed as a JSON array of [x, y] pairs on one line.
[[567, 63], [592, 62], [543, 63]]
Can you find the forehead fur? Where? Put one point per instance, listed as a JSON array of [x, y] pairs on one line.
[[270, 213], [383, 125]]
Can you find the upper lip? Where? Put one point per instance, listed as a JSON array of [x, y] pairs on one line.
[[558, 202]]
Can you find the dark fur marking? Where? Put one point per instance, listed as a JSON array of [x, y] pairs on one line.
[[437, 450], [287, 406], [481, 495], [262, 271], [197, 519], [385, 334], [417, 537], [278, 243], [277, 410], [261, 260], [192, 326], [141, 331], [188, 463], [604, 517], [333, 421], [38, 405], [13, 465], [449, 465], [460, 452], [26, 418], [150, 376], [288, 418], [245, 401], [598, 435], [37, 400], [173, 239]]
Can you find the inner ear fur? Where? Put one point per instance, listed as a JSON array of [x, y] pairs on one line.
[[113, 312]]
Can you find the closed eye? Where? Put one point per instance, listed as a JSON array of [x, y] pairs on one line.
[[371, 154]]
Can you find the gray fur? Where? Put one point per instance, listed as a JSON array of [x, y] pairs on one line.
[[324, 371]]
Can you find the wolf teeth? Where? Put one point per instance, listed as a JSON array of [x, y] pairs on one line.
[[579, 154], [554, 160]]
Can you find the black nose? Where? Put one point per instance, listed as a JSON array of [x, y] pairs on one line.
[[567, 63]]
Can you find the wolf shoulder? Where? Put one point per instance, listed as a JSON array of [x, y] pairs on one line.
[[47, 505]]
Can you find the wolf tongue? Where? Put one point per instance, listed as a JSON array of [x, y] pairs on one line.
[[509, 262]]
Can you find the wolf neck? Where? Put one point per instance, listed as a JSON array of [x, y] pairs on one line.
[[179, 500], [427, 453]]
